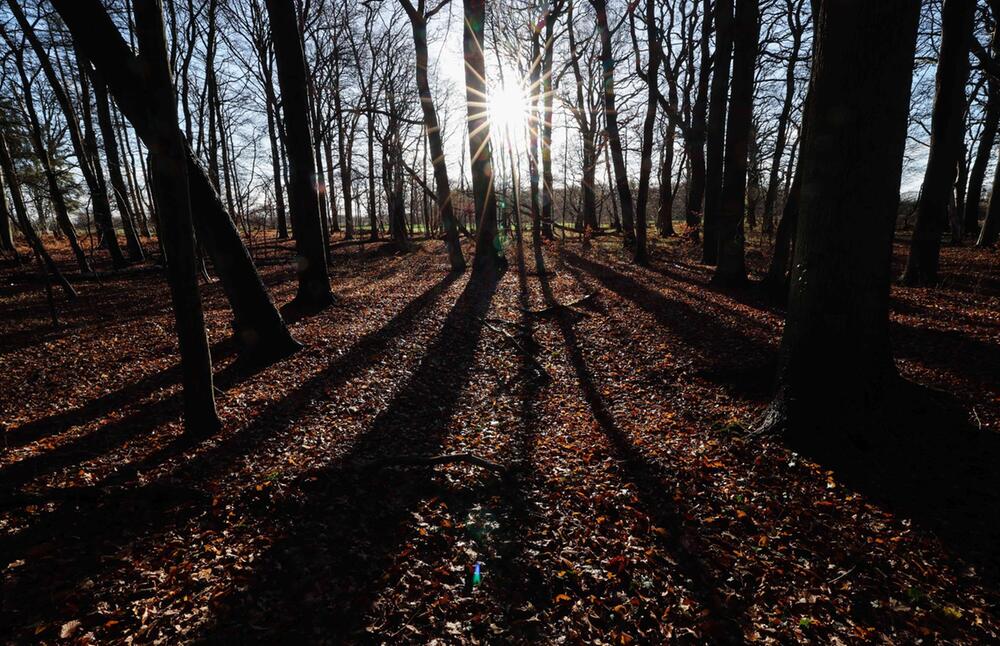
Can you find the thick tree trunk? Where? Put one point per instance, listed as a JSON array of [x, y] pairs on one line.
[[716, 130], [640, 256], [441, 184], [259, 331], [731, 270], [611, 125], [314, 284], [664, 213], [970, 219], [694, 142], [489, 251], [776, 280], [170, 187], [835, 362], [947, 134], [547, 99]]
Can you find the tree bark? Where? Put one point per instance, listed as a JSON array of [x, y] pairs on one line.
[[442, 186], [611, 124], [731, 270], [716, 130], [694, 142], [314, 284], [640, 255], [170, 188], [990, 231], [947, 134], [991, 120], [489, 251], [835, 363]]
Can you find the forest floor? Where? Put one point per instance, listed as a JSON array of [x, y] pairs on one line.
[[634, 506]]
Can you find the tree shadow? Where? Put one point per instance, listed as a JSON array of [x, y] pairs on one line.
[[340, 536], [732, 358], [722, 615], [923, 459], [115, 514]]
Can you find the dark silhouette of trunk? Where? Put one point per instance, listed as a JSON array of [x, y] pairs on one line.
[[977, 174], [118, 186], [314, 285], [731, 269], [716, 130], [588, 127], [534, 82], [947, 135], [330, 183], [272, 134], [835, 363], [489, 252], [694, 142], [796, 28], [547, 99], [611, 124], [344, 153], [260, 333], [6, 219], [664, 213], [640, 256], [775, 283], [21, 213], [99, 197], [418, 22], [170, 189]]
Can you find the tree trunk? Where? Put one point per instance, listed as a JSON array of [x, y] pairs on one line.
[[170, 188], [314, 284], [344, 154], [835, 362], [547, 98], [55, 191], [99, 197], [694, 142], [716, 130], [947, 134], [259, 331], [665, 216], [271, 102], [796, 28], [118, 185], [433, 130], [991, 225], [640, 256], [489, 252], [611, 118], [731, 270], [776, 280], [970, 220]]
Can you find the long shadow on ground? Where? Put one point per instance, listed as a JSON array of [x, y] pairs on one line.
[[116, 514], [340, 536]]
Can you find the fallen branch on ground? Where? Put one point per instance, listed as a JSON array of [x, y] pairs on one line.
[[514, 342]]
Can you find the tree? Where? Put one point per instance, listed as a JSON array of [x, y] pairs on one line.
[[835, 363], [947, 134], [731, 270], [168, 165], [651, 76], [418, 20], [715, 132], [611, 123], [314, 284], [259, 331], [489, 248]]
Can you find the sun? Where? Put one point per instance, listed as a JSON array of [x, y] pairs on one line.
[[508, 107]]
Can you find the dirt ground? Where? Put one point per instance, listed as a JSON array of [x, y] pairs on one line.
[[632, 507]]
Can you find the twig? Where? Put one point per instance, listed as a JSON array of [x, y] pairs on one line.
[[514, 342], [432, 460], [841, 575], [558, 306]]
